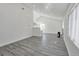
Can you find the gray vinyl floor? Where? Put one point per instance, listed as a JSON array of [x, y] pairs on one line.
[[47, 45]]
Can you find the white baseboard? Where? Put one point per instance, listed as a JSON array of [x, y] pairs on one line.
[[49, 33], [14, 41]]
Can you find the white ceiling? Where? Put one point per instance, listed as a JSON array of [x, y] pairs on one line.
[[53, 9]]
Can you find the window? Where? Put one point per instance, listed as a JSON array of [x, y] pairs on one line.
[[77, 27], [42, 26], [74, 26]]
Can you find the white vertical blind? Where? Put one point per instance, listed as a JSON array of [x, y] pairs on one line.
[[70, 24], [77, 27], [74, 26]]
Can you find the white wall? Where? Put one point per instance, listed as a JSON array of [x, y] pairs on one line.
[[73, 50], [15, 23], [36, 31], [37, 15], [52, 24]]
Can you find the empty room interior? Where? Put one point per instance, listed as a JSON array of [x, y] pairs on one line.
[[39, 29]]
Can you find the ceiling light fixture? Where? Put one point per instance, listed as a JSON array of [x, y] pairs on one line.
[[47, 5]]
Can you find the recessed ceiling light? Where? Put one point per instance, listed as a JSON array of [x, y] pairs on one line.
[[47, 5]]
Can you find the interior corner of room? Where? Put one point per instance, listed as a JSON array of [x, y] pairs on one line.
[[34, 27]]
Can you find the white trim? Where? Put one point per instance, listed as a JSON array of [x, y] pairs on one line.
[[76, 44], [71, 8], [15, 41]]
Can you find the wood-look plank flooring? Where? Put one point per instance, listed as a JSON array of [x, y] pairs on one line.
[[47, 45]]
